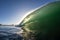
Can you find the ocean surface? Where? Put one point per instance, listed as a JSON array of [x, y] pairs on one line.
[[10, 33]]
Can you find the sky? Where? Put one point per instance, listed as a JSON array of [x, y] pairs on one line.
[[12, 11]]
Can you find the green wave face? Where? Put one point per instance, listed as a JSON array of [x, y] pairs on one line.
[[45, 20]]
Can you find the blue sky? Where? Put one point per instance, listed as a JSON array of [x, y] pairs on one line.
[[12, 11]]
